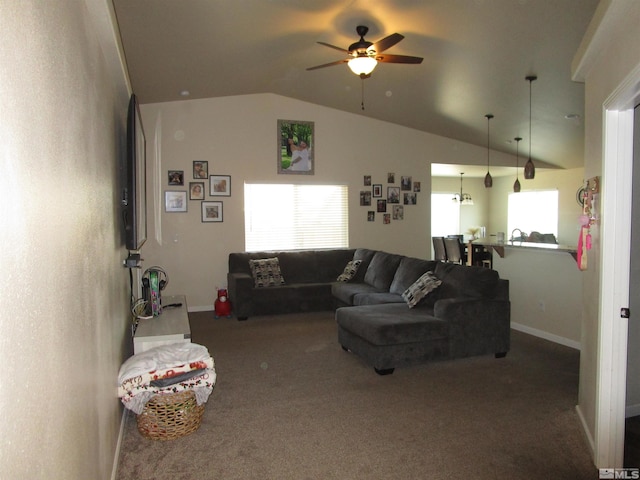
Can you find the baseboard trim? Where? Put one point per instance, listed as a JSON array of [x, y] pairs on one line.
[[567, 342], [586, 433], [116, 457], [202, 308]]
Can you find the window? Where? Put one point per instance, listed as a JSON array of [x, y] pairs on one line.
[[445, 215], [295, 217], [533, 211]]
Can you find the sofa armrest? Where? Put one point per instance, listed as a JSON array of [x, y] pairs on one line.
[[477, 325], [240, 287]]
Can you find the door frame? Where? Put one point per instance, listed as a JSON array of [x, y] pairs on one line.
[[616, 187]]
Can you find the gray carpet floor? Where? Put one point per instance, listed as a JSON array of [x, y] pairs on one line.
[[289, 403]]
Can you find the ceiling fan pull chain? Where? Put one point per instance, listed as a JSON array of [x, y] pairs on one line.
[[362, 90]]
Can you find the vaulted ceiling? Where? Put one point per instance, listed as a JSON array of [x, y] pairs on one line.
[[476, 53]]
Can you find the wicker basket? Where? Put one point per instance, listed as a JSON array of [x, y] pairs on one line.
[[170, 416]]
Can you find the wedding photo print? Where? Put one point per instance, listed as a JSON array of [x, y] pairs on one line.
[[295, 147]]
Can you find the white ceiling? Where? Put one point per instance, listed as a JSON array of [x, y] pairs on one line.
[[477, 54]]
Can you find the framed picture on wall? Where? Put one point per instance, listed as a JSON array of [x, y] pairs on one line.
[[377, 190], [200, 169], [176, 177], [175, 201], [196, 190], [220, 185], [295, 147], [211, 212]]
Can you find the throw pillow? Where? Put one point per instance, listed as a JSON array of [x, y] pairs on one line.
[[349, 271], [266, 272], [421, 288]]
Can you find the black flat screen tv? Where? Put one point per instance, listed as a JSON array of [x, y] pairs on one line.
[[134, 195]]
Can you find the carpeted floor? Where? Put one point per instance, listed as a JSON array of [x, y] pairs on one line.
[[291, 404]]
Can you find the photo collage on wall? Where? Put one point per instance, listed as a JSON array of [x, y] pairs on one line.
[[390, 203], [175, 201]]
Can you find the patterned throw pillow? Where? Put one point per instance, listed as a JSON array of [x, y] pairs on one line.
[[266, 272], [349, 271], [420, 289]]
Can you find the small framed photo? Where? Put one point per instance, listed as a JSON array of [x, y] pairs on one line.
[[220, 185], [196, 190], [386, 218], [410, 198], [416, 186], [175, 201], [295, 147], [391, 177], [405, 183], [365, 198], [377, 190], [393, 194], [381, 206], [371, 216], [176, 177], [367, 180], [200, 169], [398, 212], [211, 212]]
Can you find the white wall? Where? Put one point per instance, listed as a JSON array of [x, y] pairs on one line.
[[63, 292], [238, 137], [608, 56]]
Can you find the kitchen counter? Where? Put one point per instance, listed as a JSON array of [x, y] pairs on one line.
[[499, 248]]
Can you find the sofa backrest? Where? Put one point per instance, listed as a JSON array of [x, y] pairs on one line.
[[410, 270], [299, 266], [382, 269], [466, 281]]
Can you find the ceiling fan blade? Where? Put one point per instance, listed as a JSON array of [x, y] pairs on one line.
[[334, 47], [387, 42], [338, 62], [398, 59]]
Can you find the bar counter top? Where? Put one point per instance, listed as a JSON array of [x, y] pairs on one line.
[[498, 247]]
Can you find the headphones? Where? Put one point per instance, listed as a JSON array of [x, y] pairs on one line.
[[163, 278]]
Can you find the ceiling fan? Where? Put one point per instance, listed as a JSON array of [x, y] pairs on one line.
[[364, 55]]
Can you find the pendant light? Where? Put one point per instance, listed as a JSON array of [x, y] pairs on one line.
[[463, 198], [529, 168], [488, 181], [516, 184]]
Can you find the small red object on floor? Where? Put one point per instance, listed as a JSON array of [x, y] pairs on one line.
[[222, 304]]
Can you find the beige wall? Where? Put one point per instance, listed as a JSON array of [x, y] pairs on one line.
[[63, 293], [609, 55], [238, 137]]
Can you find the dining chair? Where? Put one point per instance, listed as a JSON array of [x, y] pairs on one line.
[[454, 250], [439, 249]]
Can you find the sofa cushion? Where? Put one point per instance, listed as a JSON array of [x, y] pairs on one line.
[[382, 269], [410, 270], [376, 298], [420, 289], [266, 272], [349, 271], [365, 255], [466, 281], [346, 291], [391, 324]]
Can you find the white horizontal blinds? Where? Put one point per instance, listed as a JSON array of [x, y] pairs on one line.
[[294, 217]]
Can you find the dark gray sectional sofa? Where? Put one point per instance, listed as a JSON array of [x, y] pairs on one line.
[[468, 314], [308, 276]]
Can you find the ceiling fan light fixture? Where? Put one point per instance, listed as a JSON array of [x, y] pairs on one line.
[[362, 65]]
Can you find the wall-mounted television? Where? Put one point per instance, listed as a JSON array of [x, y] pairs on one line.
[[134, 194]]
